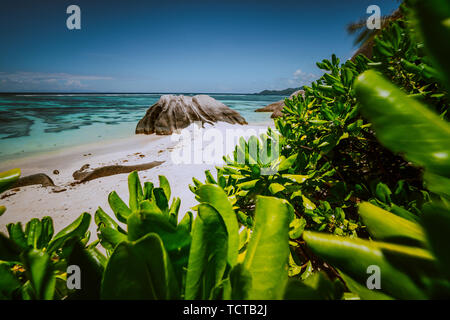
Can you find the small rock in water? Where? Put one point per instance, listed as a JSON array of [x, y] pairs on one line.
[[55, 172]]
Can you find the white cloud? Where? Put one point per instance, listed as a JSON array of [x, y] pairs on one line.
[[302, 78], [41, 80]]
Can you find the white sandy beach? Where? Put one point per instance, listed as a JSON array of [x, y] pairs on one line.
[[36, 201]]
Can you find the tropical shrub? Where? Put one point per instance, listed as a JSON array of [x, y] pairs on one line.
[[413, 256], [206, 258], [33, 261]]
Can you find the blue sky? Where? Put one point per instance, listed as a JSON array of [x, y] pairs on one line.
[[173, 46]]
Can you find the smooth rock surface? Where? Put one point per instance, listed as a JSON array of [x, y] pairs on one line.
[[172, 113], [277, 107]]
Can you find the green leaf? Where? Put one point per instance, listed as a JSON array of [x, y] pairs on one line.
[[208, 254], [2, 210], [436, 221], [308, 204], [216, 197], [164, 184], [404, 125], [135, 190], [92, 264], [8, 178], [77, 228], [362, 291], [46, 232], [140, 270], [274, 188], [161, 200], [248, 184], [119, 207], [8, 282], [173, 211], [17, 235], [39, 270], [296, 228], [434, 22], [287, 163], [240, 281], [176, 240], [148, 190], [268, 249], [354, 256], [386, 226], [296, 177], [110, 237], [101, 218], [9, 251]]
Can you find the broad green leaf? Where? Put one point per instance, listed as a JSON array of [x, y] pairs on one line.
[[33, 231], [216, 197], [248, 184], [119, 207], [308, 204], [362, 291], [240, 282], [298, 290], [101, 218], [77, 228], [287, 163], [173, 210], [17, 235], [8, 282], [92, 264], [9, 250], [354, 256], [437, 183], [135, 190], [296, 177], [176, 239], [208, 254], [46, 233], [436, 221], [139, 270], [110, 237], [268, 249], [434, 22], [39, 269], [386, 226], [148, 190], [164, 184], [296, 228], [161, 200], [8, 178], [274, 188], [405, 125], [151, 206]]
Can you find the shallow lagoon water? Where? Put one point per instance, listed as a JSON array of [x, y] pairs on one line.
[[36, 123]]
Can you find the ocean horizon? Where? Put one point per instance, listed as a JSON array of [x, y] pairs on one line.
[[32, 123]]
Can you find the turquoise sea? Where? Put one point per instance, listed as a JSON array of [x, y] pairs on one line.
[[33, 123]]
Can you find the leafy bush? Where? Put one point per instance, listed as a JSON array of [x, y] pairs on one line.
[[362, 179]]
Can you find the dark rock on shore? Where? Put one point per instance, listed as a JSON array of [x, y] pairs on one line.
[[39, 178], [277, 107], [172, 113]]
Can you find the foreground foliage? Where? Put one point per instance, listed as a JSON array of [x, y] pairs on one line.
[[362, 180]]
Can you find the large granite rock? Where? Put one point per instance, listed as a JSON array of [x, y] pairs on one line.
[[277, 107], [173, 113]]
